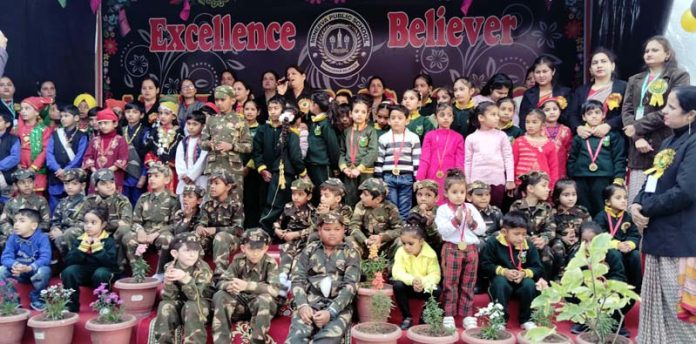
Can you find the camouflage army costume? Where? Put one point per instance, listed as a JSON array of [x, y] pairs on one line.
[[232, 129], [20, 201], [182, 225], [383, 220], [259, 301], [228, 219], [542, 225], [314, 265], [344, 210], [566, 220], [294, 219], [433, 237], [493, 217], [68, 217], [185, 304]]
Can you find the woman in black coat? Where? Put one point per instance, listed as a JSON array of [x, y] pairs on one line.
[[545, 88], [664, 210]]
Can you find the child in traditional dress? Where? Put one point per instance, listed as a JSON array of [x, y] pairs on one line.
[[534, 151], [107, 150], [190, 158], [558, 133], [135, 132], [34, 136], [163, 141], [9, 151]]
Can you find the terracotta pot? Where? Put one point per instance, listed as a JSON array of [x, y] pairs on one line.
[[382, 333], [53, 331], [119, 333], [557, 338], [12, 327], [365, 299], [587, 338], [470, 336], [418, 338], [138, 298]]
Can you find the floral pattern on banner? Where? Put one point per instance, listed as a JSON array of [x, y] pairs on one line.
[[574, 29]]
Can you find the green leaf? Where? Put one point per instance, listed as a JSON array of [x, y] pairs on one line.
[[538, 334], [572, 278]]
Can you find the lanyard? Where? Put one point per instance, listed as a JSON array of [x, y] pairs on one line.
[[397, 154], [643, 91], [614, 228], [353, 147], [441, 154], [512, 258]]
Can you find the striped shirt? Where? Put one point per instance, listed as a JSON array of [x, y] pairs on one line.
[[405, 147]]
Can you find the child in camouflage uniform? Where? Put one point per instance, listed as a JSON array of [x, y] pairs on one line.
[[375, 220], [332, 192], [66, 223], [247, 290], [479, 194], [186, 218], [568, 216], [324, 292], [153, 216], [221, 219], [26, 198], [294, 226], [186, 294], [426, 200]]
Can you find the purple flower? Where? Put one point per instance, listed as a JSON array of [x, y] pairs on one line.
[[100, 290], [113, 297]]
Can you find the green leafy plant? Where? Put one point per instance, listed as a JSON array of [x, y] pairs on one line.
[[108, 305], [584, 295], [56, 298], [373, 267], [9, 298], [381, 306], [433, 315], [139, 266], [493, 320]]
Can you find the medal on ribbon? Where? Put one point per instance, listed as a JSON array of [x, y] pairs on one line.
[[593, 155], [440, 174]]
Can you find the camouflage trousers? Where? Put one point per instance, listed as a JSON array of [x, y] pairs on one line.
[[224, 244], [333, 332], [118, 236], [232, 308], [288, 252], [174, 313], [65, 241], [161, 244]]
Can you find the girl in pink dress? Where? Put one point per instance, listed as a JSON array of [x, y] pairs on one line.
[[558, 133], [534, 151], [442, 149]]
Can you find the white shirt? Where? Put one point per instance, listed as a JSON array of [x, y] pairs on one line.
[[452, 234]]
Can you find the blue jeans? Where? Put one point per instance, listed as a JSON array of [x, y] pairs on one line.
[[38, 279], [400, 192]]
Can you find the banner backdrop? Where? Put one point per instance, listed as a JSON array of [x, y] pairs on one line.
[[339, 43]]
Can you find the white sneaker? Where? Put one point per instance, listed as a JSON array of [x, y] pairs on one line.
[[448, 322], [528, 325], [159, 277], [469, 323]]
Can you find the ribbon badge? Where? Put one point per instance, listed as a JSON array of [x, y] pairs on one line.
[[657, 88], [614, 101], [661, 162]]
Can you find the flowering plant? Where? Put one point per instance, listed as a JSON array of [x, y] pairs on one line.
[[139, 266], [493, 319], [374, 266], [56, 298], [9, 299], [108, 305]]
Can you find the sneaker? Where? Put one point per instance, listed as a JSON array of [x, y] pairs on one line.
[[578, 328], [469, 323], [159, 277], [528, 325], [38, 305], [406, 324], [448, 322], [623, 332]]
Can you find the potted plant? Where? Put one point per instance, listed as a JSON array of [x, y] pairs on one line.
[[55, 324], [373, 268], [586, 297], [545, 321], [378, 330], [138, 292], [13, 320], [433, 331], [493, 329], [112, 325]]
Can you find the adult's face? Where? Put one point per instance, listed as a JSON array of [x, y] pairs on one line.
[[376, 88], [295, 78], [188, 90], [48, 89], [674, 115], [269, 82], [227, 79], [601, 66], [7, 88]]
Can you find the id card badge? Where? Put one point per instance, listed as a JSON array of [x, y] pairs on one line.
[[651, 184], [640, 112]]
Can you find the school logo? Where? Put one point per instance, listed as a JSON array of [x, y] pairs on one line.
[[340, 43]]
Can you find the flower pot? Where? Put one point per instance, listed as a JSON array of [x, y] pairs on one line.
[[365, 299], [119, 333], [376, 332], [589, 338], [556, 338], [12, 327], [471, 336], [53, 331], [417, 335], [138, 298]]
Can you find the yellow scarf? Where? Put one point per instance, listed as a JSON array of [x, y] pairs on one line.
[[466, 106], [88, 247]]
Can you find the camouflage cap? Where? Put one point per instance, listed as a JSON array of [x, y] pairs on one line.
[[256, 237], [75, 174], [23, 173], [191, 240], [103, 175], [302, 185], [334, 184], [223, 175], [374, 185], [477, 185], [199, 191], [332, 216], [426, 184], [159, 167], [224, 90]]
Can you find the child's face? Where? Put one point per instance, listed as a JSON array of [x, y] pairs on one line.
[[568, 197], [427, 197], [382, 117], [619, 200], [370, 201], [462, 92], [456, 193], [331, 234], [540, 190], [218, 189], [314, 108], [423, 88], [106, 188], [515, 236], [593, 117], [93, 225], [489, 119], [73, 187], [300, 197], [186, 256], [274, 111], [445, 118], [569, 237], [250, 112], [412, 244], [157, 181], [165, 116], [359, 113], [480, 198], [552, 112], [530, 82], [587, 235], [443, 97], [24, 226], [26, 186], [499, 93], [533, 125], [330, 198], [191, 200], [505, 112], [93, 123], [106, 126], [28, 112], [346, 121], [83, 108], [410, 100], [194, 127], [67, 120], [398, 121], [133, 116], [4, 125], [254, 255], [224, 104]]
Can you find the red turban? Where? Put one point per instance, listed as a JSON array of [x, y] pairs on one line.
[[38, 103], [106, 115]]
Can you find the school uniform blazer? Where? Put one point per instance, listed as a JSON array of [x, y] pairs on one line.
[[672, 207], [652, 126], [531, 98], [613, 117]]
